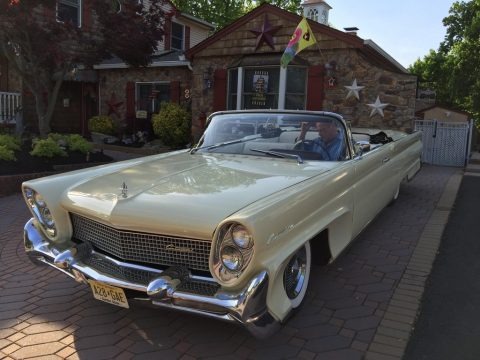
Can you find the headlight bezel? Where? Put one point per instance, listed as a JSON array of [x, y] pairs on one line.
[[41, 211], [232, 255]]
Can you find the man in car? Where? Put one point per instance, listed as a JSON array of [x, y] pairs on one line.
[[329, 144]]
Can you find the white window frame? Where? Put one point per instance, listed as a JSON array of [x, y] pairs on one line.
[[78, 4], [151, 106], [183, 36], [282, 91], [313, 14]]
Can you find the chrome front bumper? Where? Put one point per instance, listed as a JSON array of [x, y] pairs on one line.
[[173, 288]]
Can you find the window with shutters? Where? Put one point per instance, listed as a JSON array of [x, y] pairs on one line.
[[177, 36], [261, 88], [295, 88], [70, 11], [150, 95]]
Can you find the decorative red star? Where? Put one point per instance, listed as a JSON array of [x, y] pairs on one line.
[[113, 105], [265, 34]]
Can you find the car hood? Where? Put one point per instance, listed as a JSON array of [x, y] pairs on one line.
[[184, 194]]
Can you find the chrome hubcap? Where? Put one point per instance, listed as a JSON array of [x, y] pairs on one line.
[[294, 275]]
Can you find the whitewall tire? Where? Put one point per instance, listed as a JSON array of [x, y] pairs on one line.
[[297, 274]]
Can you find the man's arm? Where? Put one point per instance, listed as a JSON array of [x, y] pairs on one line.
[[303, 131]]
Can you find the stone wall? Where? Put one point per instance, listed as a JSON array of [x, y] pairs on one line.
[[115, 82], [396, 89]]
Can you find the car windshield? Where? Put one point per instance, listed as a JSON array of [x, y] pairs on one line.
[[301, 136]]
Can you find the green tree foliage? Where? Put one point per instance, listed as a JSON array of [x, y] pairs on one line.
[[454, 69], [45, 51], [289, 5], [223, 12], [217, 12]]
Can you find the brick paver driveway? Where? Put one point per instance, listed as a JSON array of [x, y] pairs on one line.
[[361, 306]]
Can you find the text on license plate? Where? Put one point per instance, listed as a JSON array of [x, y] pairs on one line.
[[110, 294]]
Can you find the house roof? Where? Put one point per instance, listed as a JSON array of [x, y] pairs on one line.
[[421, 112], [164, 59], [180, 14], [371, 50]]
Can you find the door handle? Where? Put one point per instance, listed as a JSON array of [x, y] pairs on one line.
[[387, 159]]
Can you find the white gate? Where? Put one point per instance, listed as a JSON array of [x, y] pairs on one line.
[[444, 143]]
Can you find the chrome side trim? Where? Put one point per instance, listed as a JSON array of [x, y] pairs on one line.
[[160, 288]]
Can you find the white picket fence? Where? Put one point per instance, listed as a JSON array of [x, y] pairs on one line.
[[10, 108]]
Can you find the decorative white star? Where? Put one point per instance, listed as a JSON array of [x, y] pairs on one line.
[[354, 89], [377, 107]]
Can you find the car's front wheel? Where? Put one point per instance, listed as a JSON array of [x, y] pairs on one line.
[[297, 274]]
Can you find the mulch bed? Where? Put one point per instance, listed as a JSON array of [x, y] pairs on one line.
[[27, 163]]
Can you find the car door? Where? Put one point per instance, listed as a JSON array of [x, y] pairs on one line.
[[374, 185]]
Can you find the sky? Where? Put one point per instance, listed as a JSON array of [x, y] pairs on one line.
[[405, 29]]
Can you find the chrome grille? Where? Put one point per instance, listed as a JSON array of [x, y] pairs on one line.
[[142, 247], [99, 263], [199, 287]]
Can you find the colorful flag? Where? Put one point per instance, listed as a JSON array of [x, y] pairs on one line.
[[302, 37]]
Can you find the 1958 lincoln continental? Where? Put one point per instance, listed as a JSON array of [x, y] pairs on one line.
[[229, 228]]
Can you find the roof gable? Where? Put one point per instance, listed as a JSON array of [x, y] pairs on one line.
[[291, 20], [260, 11]]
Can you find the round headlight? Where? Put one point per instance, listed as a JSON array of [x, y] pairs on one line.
[[29, 193], [41, 212], [232, 258], [39, 200], [48, 218], [241, 237]]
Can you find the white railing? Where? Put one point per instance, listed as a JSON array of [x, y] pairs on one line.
[[10, 107]]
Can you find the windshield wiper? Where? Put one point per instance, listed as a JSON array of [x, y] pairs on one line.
[[280, 154], [237, 141]]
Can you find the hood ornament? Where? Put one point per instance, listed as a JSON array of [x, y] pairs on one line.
[[124, 190]]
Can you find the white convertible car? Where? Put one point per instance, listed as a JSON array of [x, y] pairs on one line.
[[228, 229]]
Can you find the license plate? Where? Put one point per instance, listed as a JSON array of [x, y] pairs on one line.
[[110, 294]]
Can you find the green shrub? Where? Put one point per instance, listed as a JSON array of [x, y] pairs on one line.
[[101, 124], [58, 138], [6, 153], [76, 142], [47, 148], [10, 142], [172, 125]]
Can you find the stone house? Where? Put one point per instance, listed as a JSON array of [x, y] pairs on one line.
[[342, 73], [128, 95], [132, 95]]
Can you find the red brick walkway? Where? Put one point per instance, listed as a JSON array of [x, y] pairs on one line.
[[360, 307]]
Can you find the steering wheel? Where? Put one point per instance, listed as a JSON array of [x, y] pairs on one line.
[[302, 145], [300, 149]]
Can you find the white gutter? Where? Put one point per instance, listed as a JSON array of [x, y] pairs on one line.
[[382, 52], [197, 20]]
